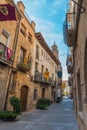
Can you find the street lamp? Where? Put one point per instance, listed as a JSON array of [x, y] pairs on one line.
[[79, 5]]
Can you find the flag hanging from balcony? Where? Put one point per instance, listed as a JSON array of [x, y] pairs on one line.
[[46, 75], [7, 12], [59, 74]]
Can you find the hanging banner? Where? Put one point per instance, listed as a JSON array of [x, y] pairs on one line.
[[7, 12], [59, 74], [46, 75]]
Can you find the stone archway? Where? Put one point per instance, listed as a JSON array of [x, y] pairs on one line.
[[23, 97]]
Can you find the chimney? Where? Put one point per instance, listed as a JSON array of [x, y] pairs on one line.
[[21, 6]]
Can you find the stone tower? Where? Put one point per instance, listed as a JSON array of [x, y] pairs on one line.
[[55, 50]]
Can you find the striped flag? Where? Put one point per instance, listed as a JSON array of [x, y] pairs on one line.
[[7, 12]]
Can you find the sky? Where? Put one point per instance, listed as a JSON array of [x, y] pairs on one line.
[[49, 16]]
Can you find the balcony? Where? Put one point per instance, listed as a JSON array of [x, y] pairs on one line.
[[69, 58], [70, 81], [24, 66], [70, 78], [70, 68], [54, 83], [69, 29], [6, 54], [38, 77]]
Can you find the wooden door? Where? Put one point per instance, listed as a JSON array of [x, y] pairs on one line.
[[23, 97], [43, 92]]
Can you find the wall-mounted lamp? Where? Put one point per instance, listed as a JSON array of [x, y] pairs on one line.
[[83, 9]]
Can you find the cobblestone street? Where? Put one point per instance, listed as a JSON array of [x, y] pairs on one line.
[[59, 116]]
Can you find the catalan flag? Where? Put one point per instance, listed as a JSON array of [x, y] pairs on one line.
[[7, 12]]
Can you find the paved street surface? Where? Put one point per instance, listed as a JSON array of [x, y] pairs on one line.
[[59, 116]]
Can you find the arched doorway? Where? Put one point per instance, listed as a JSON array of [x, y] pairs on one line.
[[23, 97]]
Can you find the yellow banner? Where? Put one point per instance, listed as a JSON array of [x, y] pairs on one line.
[[46, 75]]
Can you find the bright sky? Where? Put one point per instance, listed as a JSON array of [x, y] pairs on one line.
[[49, 16]]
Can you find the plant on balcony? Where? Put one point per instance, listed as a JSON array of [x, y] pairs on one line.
[[1, 52], [11, 115]]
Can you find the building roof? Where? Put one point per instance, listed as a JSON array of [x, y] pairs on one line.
[[43, 43]]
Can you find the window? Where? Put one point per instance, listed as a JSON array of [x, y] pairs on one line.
[[43, 92], [46, 57], [52, 76], [37, 52], [35, 94], [22, 55], [36, 66], [4, 38], [42, 69], [29, 37], [23, 30], [42, 52]]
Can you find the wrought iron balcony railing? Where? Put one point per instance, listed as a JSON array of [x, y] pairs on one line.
[[69, 29], [38, 77], [70, 68], [69, 58], [6, 54], [24, 66]]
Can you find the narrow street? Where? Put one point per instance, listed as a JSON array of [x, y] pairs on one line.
[[59, 116]]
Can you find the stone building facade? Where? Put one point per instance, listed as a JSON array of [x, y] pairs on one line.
[[7, 50], [17, 76], [77, 38], [45, 62], [23, 87]]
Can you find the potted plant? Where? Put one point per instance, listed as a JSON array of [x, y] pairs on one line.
[[12, 115], [1, 52], [43, 103]]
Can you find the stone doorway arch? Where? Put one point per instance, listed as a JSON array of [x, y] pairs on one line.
[[23, 97]]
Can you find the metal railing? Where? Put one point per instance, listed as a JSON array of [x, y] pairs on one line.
[[69, 25], [38, 77], [70, 21], [6, 54], [24, 66]]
